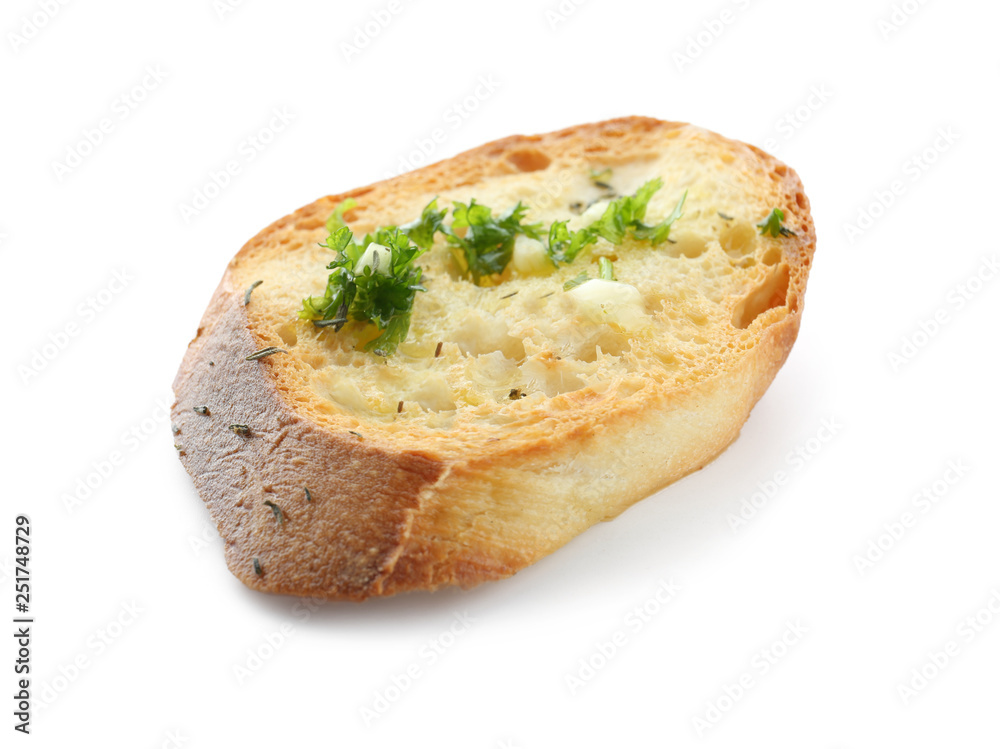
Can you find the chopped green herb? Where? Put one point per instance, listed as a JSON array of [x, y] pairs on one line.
[[605, 269], [355, 434], [309, 496], [278, 514], [256, 566], [773, 224], [422, 230], [622, 217], [265, 352], [724, 216], [565, 245], [249, 291], [508, 296], [488, 243], [574, 282], [378, 284], [202, 410], [241, 429], [515, 394], [372, 284], [633, 211]]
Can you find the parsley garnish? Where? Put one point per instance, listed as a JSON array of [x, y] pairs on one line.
[[380, 290], [421, 231], [488, 243], [622, 217], [772, 224], [375, 280]]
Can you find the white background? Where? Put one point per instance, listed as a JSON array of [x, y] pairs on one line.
[[168, 675]]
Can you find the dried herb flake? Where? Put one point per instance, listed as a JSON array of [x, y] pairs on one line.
[[278, 514], [249, 291], [264, 352]]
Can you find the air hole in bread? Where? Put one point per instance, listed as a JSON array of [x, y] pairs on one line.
[[345, 393], [308, 223], [772, 256], [431, 393], [529, 160], [314, 360], [491, 372], [483, 333], [770, 293], [587, 342], [686, 244], [610, 342], [800, 201], [549, 375], [289, 335], [665, 357], [739, 239], [697, 318]]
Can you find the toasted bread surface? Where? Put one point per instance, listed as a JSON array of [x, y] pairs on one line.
[[466, 461]]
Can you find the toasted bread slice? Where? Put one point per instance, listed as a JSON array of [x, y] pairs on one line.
[[511, 418]]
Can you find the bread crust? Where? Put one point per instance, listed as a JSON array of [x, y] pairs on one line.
[[394, 513]]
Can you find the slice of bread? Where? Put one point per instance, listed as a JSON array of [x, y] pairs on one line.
[[515, 414]]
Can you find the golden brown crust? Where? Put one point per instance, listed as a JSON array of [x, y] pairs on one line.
[[391, 514]]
